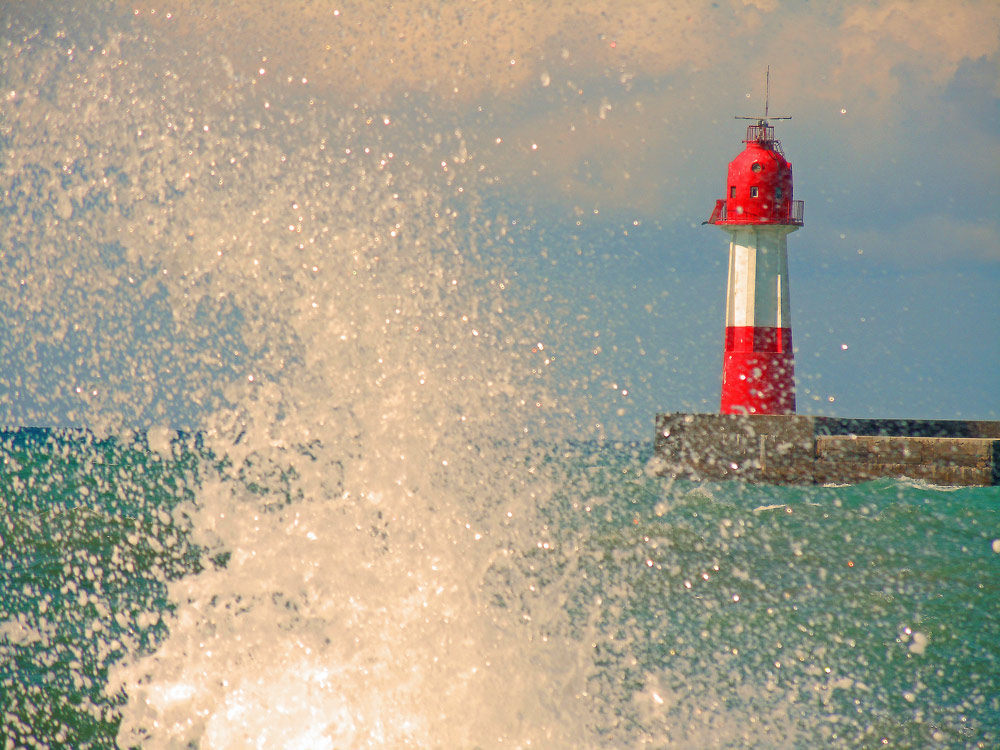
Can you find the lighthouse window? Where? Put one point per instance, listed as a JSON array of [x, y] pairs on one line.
[[777, 193], [757, 166], [732, 191], [753, 192]]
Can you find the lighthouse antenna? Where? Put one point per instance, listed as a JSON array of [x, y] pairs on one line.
[[762, 119], [763, 131], [767, 89]]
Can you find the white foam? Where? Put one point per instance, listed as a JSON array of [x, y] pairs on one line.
[[762, 508], [919, 644], [159, 439]]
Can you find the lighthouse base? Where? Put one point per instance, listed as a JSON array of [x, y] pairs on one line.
[[779, 449]]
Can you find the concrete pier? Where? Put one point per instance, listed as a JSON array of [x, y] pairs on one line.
[[819, 450]]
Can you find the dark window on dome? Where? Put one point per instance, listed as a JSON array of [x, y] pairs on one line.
[[757, 166], [753, 192], [777, 193], [732, 191]]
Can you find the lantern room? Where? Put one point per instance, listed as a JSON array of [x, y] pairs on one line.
[[759, 184]]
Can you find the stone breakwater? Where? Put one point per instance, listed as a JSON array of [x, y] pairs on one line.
[[819, 450]]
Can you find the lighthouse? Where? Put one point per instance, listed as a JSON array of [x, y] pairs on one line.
[[758, 213], [758, 437]]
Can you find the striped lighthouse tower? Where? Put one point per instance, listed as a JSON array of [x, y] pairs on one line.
[[758, 213]]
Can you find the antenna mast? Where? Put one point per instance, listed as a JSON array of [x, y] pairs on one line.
[[762, 119], [763, 132], [767, 90]]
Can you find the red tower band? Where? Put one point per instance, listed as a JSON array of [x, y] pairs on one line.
[[758, 212]]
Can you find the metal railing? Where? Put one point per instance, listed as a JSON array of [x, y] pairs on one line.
[[795, 215]]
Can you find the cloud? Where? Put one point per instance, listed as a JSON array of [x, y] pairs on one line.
[[499, 45], [937, 37], [627, 107]]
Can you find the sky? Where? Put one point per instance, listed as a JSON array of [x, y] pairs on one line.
[[598, 135]]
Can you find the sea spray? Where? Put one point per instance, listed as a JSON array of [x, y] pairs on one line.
[[367, 437]]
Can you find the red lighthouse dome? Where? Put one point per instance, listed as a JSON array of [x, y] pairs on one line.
[[759, 184]]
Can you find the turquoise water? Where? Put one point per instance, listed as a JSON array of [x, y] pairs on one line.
[[708, 615], [87, 544]]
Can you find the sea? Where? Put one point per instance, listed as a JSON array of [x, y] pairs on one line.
[[153, 594], [308, 447]]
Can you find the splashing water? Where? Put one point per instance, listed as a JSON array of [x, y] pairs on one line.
[[359, 382], [377, 541]]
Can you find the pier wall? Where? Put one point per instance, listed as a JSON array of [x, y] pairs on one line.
[[818, 450]]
